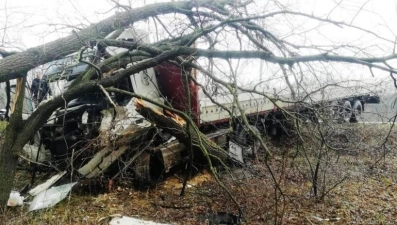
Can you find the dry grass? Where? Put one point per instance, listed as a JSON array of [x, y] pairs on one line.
[[366, 196], [3, 125]]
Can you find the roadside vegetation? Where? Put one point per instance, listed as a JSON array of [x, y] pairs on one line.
[[3, 125], [355, 183], [271, 86]]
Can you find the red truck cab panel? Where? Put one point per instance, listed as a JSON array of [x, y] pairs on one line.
[[171, 85]]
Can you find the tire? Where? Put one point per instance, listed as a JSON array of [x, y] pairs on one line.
[[312, 116], [356, 112], [346, 111], [245, 137], [273, 125], [274, 130]]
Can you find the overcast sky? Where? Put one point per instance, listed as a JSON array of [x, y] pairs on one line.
[[26, 24]]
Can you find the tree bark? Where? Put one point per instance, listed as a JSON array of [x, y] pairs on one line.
[[175, 125], [17, 65], [11, 145]]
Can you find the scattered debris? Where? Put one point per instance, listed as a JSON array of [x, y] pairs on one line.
[[32, 152], [222, 218], [125, 220], [50, 197], [44, 186], [101, 161], [319, 219], [15, 199]]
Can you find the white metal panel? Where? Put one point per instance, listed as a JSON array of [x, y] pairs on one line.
[[251, 103], [144, 83]]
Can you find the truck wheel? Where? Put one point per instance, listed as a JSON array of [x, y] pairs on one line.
[[346, 111], [356, 112], [245, 137], [312, 116], [274, 130], [273, 125]]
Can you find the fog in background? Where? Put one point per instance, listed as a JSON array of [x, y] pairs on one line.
[[28, 24]]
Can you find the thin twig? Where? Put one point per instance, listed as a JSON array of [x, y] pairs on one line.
[[108, 96]]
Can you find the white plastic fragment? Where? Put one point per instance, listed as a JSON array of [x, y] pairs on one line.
[[319, 219], [50, 197], [125, 220], [31, 151], [15, 199], [44, 186]]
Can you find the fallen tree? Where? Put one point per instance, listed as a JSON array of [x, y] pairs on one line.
[[19, 132], [18, 64], [176, 124], [200, 25]]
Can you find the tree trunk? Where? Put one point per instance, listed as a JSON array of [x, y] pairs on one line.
[[8, 164], [202, 146], [19, 64], [12, 144]]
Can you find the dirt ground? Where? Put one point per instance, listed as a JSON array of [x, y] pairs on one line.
[[356, 184]]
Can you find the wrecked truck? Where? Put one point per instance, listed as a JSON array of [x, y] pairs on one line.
[[113, 132], [105, 133]]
